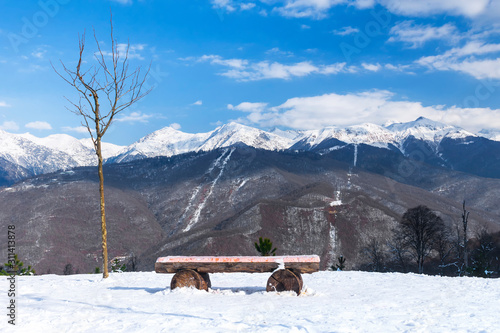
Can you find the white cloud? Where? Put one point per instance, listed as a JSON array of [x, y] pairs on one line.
[[4, 104], [371, 67], [231, 5], [200, 102], [334, 68], [224, 4], [277, 51], [398, 68], [376, 106], [248, 107], [345, 31], [247, 6], [465, 59], [78, 129], [135, 117], [316, 9], [39, 125], [468, 8], [124, 2], [39, 52], [267, 70], [218, 60], [319, 9], [9, 126], [305, 26], [133, 51], [244, 70], [175, 126], [417, 34]]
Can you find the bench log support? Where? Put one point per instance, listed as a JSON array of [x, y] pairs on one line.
[[193, 271]]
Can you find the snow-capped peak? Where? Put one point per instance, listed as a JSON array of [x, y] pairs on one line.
[[232, 133], [365, 133], [490, 134], [427, 129], [168, 141], [418, 123]]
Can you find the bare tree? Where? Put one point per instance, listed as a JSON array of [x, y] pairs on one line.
[[444, 247], [374, 252], [419, 228], [107, 78], [398, 248], [465, 220]]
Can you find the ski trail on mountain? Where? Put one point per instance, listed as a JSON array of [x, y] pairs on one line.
[[198, 188], [196, 214], [355, 154]]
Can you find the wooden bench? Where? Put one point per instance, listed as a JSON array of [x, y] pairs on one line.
[[193, 271]]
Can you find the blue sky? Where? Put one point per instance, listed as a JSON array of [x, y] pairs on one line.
[[300, 64]]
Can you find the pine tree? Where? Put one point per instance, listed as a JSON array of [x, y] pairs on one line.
[[16, 268], [116, 267], [265, 247]]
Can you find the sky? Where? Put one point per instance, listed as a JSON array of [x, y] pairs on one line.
[[292, 64]]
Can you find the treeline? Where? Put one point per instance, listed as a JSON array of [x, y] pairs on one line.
[[423, 243]]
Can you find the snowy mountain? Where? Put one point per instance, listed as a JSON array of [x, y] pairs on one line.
[[108, 149], [28, 152], [25, 155], [490, 134], [67, 144], [395, 134], [370, 134], [443, 145], [169, 142], [427, 130]]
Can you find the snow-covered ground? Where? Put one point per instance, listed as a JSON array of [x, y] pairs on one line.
[[332, 302]]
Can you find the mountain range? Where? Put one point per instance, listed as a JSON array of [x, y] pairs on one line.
[[25, 155]]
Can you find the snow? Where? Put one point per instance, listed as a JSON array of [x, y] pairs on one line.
[[347, 301], [168, 141], [490, 134], [428, 130], [196, 215]]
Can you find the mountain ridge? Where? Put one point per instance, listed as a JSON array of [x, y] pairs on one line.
[[62, 151]]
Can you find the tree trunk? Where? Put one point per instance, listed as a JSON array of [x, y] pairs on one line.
[[465, 218], [105, 273]]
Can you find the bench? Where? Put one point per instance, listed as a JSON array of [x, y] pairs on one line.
[[193, 271]]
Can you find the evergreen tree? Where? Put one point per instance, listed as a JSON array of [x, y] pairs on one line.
[[116, 267], [340, 266], [16, 268], [265, 247]]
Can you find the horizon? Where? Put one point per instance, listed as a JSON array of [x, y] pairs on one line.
[[288, 64], [271, 131]]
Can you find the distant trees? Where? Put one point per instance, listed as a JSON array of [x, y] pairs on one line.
[[105, 89], [68, 270], [465, 221], [374, 252], [421, 237], [483, 255], [420, 229]]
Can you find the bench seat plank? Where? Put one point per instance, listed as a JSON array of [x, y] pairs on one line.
[[247, 264]]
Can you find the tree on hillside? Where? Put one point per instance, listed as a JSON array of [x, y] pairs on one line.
[[420, 228], [465, 220], [482, 254], [374, 253], [106, 78], [265, 247]]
